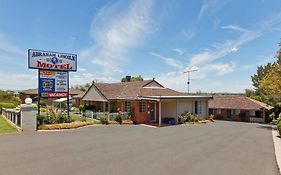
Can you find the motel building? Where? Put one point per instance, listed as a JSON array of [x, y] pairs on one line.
[[147, 101]]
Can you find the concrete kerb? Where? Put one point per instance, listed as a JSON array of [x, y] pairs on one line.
[[277, 147]]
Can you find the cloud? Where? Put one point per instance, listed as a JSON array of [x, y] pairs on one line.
[[220, 69], [116, 31], [210, 6], [235, 27], [169, 61], [179, 51], [189, 33], [17, 81]]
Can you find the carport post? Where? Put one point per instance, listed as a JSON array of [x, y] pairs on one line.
[[160, 117]]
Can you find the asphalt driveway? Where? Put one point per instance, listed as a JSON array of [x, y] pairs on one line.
[[223, 148]]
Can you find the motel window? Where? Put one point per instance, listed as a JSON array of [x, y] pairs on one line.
[[197, 107], [127, 106], [252, 113], [142, 106], [235, 111]]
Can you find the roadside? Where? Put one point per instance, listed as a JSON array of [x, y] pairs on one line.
[[277, 147], [6, 127]]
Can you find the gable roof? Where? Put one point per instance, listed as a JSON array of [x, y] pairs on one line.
[[131, 90], [236, 102]]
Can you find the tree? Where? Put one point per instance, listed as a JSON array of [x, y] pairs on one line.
[[136, 78], [83, 87], [261, 72]]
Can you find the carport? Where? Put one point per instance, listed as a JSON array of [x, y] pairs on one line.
[[172, 106]]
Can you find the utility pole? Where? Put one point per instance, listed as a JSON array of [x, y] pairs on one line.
[[188, 77]]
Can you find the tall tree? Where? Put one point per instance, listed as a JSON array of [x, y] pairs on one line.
[[136, 78]]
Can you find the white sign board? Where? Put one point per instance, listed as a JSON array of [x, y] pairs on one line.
[[38, 59]]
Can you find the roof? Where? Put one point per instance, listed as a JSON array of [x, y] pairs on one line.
[[236, 102], [72, 91], [132, 90], [176, 97]]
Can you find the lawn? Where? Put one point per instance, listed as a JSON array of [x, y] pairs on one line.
[[6, 127]]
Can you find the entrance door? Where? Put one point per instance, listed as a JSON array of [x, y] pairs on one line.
[[152, 116], [229, 114]]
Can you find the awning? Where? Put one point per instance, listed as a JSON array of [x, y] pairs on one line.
[[61, 100]]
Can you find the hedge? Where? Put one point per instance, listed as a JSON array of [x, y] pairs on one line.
[[7, 105]]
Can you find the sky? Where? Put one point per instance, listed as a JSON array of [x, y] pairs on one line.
[[225, 40]]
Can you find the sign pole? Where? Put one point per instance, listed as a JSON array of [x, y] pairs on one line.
[[39, 95], [68, 94]]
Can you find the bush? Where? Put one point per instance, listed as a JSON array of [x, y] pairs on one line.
[[184, 117], [279, 119], [7, 105], [63, 118], [211, 117], [43, 104], [118, 118], [194, 118], [82, 108], [103, 120]]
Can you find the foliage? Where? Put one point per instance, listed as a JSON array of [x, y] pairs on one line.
[[279, 119], [136, 78], [68, 125], [271, 117], [267, 82], [103, 120], [194, 118], [9, 97], [211, 117], [118, 118], [7, 105], [43, 104], [184, 117], [52, 118], [83, 87], [82, 108]]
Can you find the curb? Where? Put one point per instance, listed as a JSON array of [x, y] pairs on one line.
[[277, 148]]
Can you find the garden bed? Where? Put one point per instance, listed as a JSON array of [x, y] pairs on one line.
[[71, 125]]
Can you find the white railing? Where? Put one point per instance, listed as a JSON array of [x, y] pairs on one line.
[[110, 116], [256, 120], [13, 115]]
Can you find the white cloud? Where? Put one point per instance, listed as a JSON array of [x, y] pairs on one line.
[[170, 61], [235, 27], [116, 31], [189, 33], [220, 69], [234, 49], [179, 51], [18, 81]]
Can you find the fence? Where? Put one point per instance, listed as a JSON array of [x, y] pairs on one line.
[[256, 120], [13, 115], [110, 116]]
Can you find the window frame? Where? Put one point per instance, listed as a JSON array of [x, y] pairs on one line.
[[142, 106]]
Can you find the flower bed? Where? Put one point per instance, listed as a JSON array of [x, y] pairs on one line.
[[71, 125]]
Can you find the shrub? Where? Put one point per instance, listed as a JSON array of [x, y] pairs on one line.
[[7, 105], [82, 108], [43, 104], [194, 118], [103, 120], [118, 118], [184, 117], [279, 119], [63, 118], [211, 117]]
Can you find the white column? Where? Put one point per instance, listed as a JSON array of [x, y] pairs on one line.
[[160, 112]]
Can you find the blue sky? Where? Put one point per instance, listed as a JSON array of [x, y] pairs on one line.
[[224, 39]]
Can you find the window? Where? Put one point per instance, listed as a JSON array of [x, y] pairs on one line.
[[142, 106], [197, 107], [127, 106], [252, 113]]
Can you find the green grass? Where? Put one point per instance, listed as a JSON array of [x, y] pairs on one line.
[[6, 127], [76, 117]]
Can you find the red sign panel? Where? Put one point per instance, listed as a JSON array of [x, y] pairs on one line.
[[55, 95]]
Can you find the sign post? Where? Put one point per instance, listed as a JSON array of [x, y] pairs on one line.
[[53, 73]]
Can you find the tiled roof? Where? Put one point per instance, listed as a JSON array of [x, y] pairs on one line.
[[131, 90], [72, 91], [236, 102]]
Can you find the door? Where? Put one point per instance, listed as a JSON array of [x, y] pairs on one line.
[[152, 115], [229, 114]]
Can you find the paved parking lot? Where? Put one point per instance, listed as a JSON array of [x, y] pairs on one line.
[[223, 148]]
